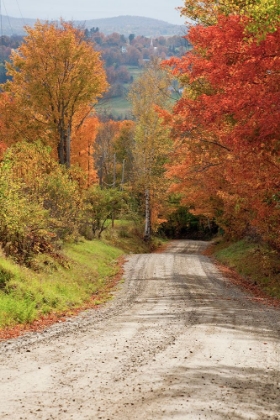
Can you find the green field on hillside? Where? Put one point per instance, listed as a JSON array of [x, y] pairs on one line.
[[119, 107]]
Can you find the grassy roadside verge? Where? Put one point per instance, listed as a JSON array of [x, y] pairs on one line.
[[27, 295], [32, 299], [257, 266]]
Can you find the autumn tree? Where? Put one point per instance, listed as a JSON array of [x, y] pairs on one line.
[[101, 205], [104, 154], [123, 149], [152, 143], [41, 202], [113, 152], [261, 16], [56, 79], [17, 124], [83, 147], [226, 126]]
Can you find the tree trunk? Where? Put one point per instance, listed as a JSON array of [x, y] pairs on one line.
[[68, 148], [60, 147], [100, 172], [114, 171], [147, 231], [123, 169]]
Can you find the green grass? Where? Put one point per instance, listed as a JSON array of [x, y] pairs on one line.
[[135, 71], [88, 270], [119, 107], [26, 295], [126, 235], [255, 261]]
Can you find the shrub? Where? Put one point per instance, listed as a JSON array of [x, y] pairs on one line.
[[101, 206], [40, 202], [23, 223]]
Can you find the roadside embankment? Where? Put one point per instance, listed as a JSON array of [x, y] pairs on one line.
[[252, 265], [82, 275]]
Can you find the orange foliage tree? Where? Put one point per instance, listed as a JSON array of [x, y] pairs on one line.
[[83, 147], [226, 127], [17, 124], [56, 79], [113, 152]]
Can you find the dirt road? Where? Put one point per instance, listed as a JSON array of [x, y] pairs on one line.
[[177, 342]]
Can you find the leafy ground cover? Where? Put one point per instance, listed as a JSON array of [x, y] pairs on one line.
[[252, 265]]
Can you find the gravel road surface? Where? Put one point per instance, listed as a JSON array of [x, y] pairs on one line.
[[177, 341]]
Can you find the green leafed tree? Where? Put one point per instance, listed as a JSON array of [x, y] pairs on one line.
[[101, 205]]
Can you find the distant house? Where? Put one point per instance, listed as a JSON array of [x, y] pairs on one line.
[[124, 49]]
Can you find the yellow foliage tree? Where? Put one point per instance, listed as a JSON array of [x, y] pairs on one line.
[[151, 141], [56, 79]]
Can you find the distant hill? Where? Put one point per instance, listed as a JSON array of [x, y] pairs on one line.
[[124, 25], [137, 25], [15, 26]]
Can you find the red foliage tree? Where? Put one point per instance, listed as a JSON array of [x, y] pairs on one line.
[[227, 127]]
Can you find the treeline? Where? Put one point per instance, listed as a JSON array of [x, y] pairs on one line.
[[43, 204], [7, 43], [118, 50], [46, 140]]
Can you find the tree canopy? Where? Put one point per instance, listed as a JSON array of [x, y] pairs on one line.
[[263, 16], [226, 125], [152, 140], [56, 78]]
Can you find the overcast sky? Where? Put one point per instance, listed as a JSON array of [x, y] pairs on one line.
[[92, 9]]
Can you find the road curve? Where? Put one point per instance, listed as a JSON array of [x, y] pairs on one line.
[[178, 341]]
